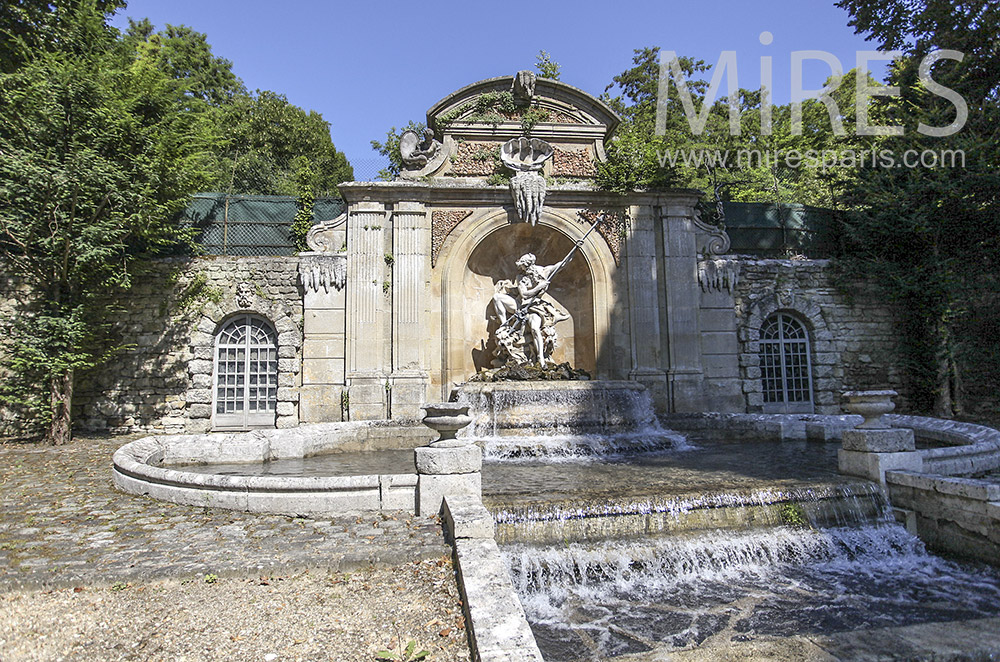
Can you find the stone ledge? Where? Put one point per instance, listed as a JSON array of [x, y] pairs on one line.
[[878, 441], [968, 488], [498, 627], [467, 517]]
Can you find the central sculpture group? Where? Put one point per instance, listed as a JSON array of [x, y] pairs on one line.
[[526, 314]]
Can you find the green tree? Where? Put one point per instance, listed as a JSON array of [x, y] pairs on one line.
[[389, 148], [99, 153], [28, 26], [929, 235], [186, 57], [547, 68], [634, 153], [265, 135]]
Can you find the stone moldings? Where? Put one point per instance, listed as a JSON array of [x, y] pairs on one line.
[[718, 274], [442, 223], [713, 239], [328, 236], [526, 157], [244, 295], [824, 357], [420, 157], [319, 271]]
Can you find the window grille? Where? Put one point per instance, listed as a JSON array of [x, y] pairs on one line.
[[785, 367], [246, 374]]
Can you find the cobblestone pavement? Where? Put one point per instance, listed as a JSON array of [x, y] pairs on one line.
[[64, 524]]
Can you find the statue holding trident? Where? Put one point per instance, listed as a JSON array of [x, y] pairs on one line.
[[527, 317]]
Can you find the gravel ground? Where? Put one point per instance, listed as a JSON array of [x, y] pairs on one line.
[[88, 573], [310, 616]]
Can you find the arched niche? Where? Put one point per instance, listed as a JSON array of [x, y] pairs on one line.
[[486, 253]]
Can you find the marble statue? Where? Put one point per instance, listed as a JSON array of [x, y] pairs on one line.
[[527, 316], [417, 153]]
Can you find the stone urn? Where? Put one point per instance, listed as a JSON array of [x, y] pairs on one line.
[[871, 405], [446, 418]]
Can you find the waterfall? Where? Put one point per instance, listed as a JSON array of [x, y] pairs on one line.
[[592, 519], [625, 596], [557, 421]]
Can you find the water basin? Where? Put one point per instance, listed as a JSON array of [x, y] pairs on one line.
[[331, 464]]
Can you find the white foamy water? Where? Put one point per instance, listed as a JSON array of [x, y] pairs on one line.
[[563, 422], [630, 596]]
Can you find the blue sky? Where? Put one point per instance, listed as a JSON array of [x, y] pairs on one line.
[[367, 66]]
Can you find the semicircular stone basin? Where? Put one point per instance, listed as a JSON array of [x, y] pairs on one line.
[[161, 467]]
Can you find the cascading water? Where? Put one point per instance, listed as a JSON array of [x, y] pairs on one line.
[[618, 550], [559, 421], [629, 595], [617, 597]]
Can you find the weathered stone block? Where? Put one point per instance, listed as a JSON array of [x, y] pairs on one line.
[[878, 441], [431, 490], [200, 411], [457, 460], [466, 517], [874, 465], [321, 403], [323, 371], [199, 396], [200, 366]]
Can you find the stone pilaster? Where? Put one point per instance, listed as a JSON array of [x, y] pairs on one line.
[[410, 275], [323, 277], [685, 374], [367, 309], [644, 313]]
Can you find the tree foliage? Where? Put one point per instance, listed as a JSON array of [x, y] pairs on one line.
[[186, 57], [269, 142], [99, 153], [749, 166], [929, 235], [266, 144], [547, 68]]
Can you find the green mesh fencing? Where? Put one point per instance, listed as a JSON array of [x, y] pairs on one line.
[[772, 230], [261, 225], [250, 224]]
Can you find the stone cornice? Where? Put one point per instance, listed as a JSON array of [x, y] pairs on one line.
[[450, 192]]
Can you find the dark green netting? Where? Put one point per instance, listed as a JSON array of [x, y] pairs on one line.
[[768, 229], [261, 225], [250, 224]]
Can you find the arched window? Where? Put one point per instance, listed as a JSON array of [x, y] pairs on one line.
[[246, 374], [784, 366]]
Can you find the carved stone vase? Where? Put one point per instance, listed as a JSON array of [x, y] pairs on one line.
[[871, 405], [447, 418]]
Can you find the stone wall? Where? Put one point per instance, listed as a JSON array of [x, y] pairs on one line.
[[852, 337], [163, 381]]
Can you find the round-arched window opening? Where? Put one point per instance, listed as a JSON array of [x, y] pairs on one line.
[[246, 375], [785, 367]]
